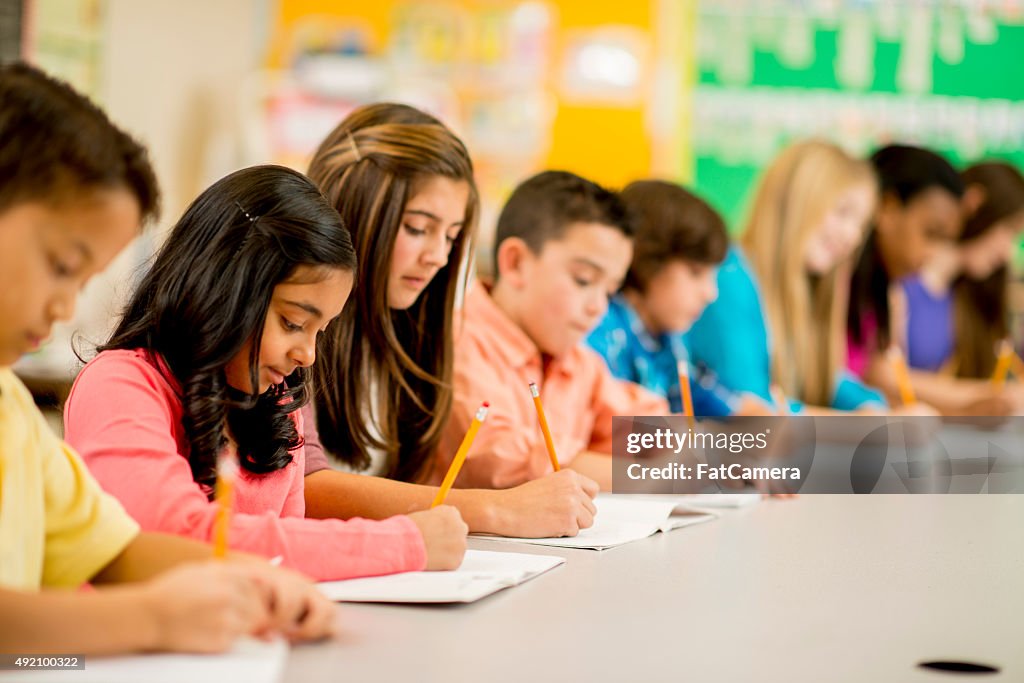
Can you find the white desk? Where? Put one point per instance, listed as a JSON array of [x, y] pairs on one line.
[[821, 588]]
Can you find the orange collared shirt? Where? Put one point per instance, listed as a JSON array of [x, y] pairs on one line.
[[495, 361]]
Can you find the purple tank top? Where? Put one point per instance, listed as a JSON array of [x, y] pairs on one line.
[[929, 326]]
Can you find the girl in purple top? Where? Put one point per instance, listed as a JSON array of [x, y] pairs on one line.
[[919, 219], [958, 308]]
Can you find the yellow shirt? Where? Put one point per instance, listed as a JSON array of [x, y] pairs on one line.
[[57, 527]]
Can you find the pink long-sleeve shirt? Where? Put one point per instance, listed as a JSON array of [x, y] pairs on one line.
[[124, 417]]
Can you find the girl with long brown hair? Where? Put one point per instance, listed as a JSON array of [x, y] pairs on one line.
[[403, 184]]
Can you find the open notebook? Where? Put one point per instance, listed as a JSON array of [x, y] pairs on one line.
[[250, 661], [623, 519], [482, 572]]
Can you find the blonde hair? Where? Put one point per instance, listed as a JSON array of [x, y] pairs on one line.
[[805, 313]]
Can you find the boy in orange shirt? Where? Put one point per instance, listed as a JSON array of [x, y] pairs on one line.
[[562, 249]]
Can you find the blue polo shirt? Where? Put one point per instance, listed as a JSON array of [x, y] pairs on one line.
[[634, 354]]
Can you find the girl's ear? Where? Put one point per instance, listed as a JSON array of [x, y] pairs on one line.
[[974, 197], [513, 255]]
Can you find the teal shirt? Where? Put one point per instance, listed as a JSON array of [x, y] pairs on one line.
[[731, 340]]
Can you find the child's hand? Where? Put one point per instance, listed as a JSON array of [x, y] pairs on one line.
[[753, 406], [203, 607], [444, 535], [559, 504], [914, 410], [996, 404], [296, 609]]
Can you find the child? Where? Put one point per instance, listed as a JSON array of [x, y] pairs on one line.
[[563, 247], [75, 191], [918, 217], [957, 308], [679, 243], [210, 356], [403, 184], [779, 316]]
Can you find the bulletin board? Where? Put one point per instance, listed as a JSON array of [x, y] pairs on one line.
[[528, 85], [944, 74]]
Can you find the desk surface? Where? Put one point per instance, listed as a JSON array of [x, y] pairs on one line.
[[837, 588]]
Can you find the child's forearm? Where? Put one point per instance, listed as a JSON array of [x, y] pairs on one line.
[[332, 494], [104, 622], [597, 466], [949, 395], [150, 554]]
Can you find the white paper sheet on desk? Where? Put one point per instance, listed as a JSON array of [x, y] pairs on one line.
[[705, 501], [622, 519], [482, 572], [250, 661]]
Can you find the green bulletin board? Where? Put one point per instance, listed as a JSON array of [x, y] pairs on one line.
[[941, 73]]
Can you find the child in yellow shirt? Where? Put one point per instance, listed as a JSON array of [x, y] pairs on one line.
[[75, 192]]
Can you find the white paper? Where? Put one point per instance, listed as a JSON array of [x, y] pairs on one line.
[[482, 572], [706, 501], [250, 661], [623, 519]]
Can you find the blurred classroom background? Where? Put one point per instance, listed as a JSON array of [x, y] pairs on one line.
[[700, 91]]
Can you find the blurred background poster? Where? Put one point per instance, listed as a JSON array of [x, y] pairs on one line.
[[699, 91], [529, 85], [940, 73]]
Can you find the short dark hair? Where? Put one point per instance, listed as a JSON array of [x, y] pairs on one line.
[[906, 172], [55, 143], [672, 224], [543, 207]]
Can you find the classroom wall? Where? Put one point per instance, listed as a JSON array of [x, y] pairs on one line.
[[168, 72], [170, 75]]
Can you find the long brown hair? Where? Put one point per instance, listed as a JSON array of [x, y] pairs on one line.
[[369, 167], [980, 307], [806, 314]]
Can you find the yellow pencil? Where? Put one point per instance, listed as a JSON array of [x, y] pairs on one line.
[[1018, 367], [460, 455], [684, 389], [899, 365], [1002, 364], [224, 491], [779, 399], [544, 425]]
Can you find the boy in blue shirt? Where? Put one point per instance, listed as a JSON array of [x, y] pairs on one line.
[[679, 244]]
